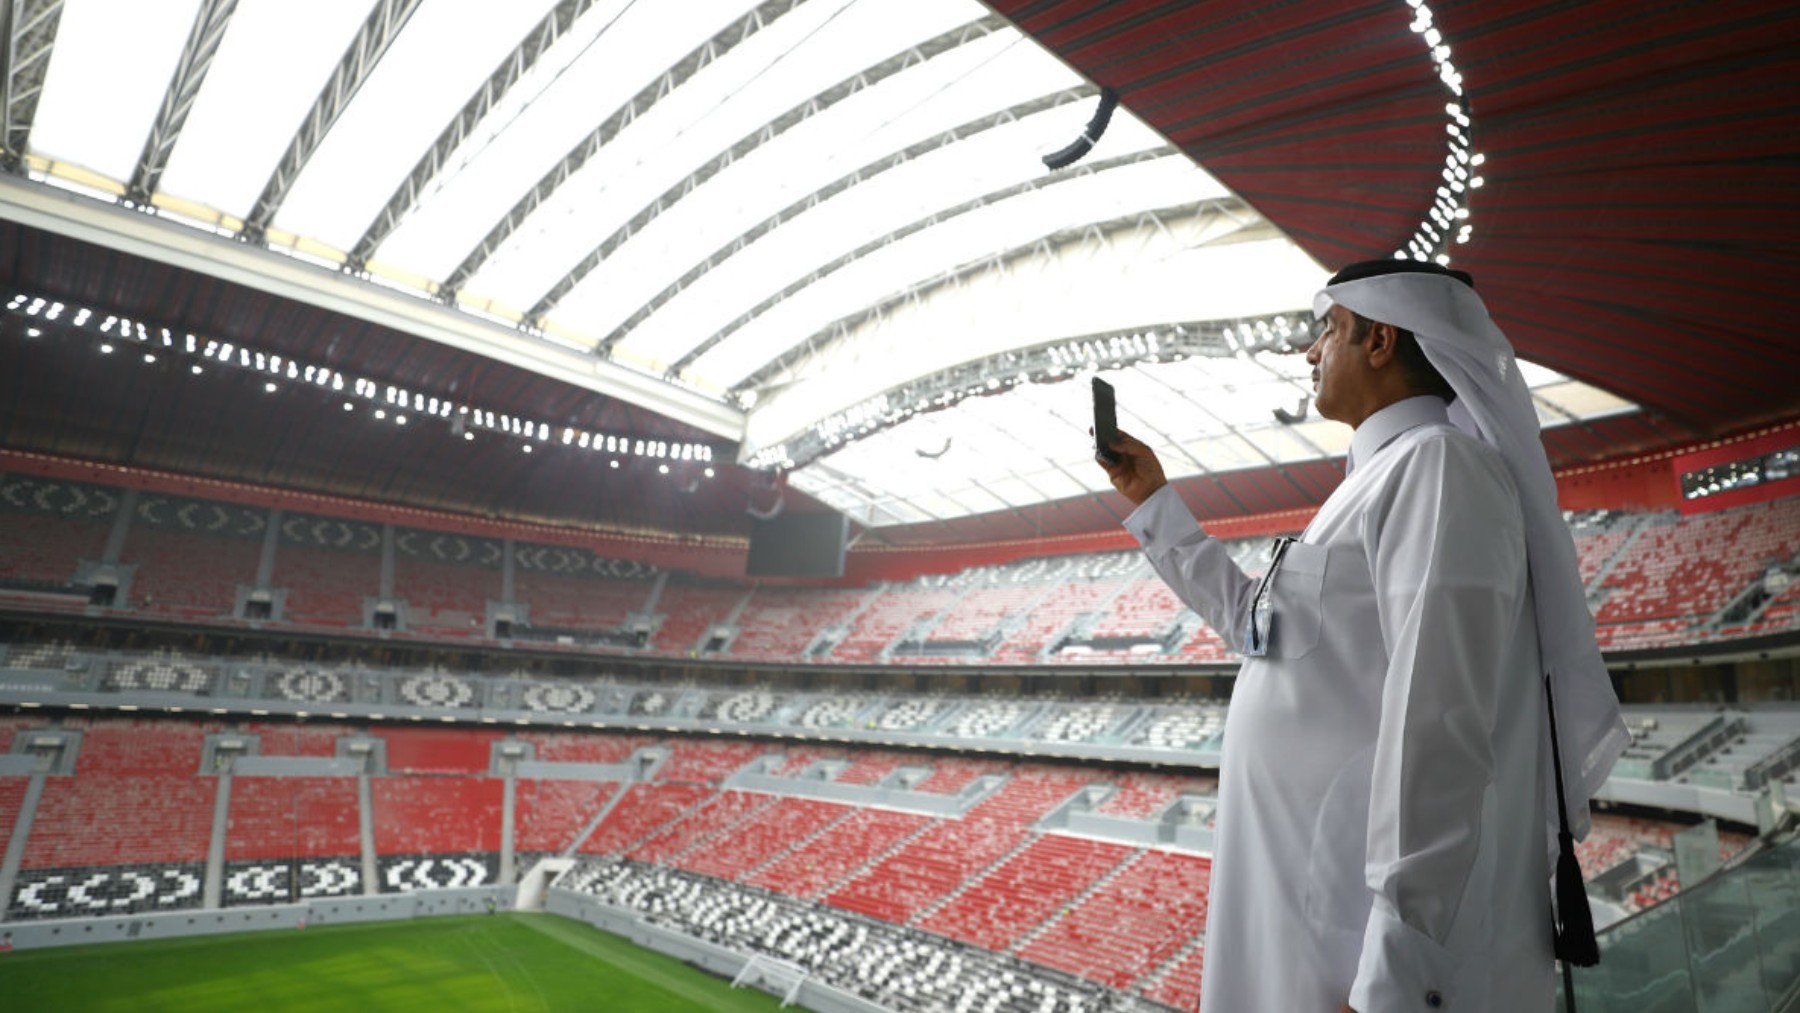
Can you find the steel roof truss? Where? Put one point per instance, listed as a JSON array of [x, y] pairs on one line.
[[379, 31], [571, 163], [824, 193], [764, 134], [30, 33], [210, 22], [517, 63]]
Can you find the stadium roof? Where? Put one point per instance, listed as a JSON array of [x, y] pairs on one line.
[[817, 234]]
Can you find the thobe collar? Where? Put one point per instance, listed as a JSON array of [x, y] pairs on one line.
[[1380, 429]]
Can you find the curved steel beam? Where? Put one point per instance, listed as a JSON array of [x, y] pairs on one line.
[[712, 49], [210, 22], [825, 337], [855, 176], [756, 138], [547, 33], [28, 27], [372, 40], [882, 242]]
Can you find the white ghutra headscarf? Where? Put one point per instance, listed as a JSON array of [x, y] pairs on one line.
[[1492, 403]]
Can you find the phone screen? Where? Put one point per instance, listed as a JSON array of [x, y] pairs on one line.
[[1106, 422]]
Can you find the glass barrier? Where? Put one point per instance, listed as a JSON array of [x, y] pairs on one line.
[[1729, 945]]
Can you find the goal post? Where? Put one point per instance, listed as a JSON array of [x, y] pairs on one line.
[[777, 977]]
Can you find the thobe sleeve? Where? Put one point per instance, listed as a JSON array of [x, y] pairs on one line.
[[1194, 564], [1446, 551]]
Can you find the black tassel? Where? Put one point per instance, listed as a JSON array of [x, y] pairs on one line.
[[1574, 938], [1575, 941]]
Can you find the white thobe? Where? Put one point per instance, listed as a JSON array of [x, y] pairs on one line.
[[1380, 835]]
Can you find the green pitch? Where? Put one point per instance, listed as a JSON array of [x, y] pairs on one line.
[[508, 962]]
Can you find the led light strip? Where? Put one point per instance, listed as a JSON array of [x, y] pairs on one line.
[[389, 403], [1448, 218]]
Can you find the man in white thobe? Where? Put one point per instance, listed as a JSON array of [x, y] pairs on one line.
[[1385, 785]]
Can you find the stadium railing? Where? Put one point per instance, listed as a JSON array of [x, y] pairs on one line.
[[1731, 942]]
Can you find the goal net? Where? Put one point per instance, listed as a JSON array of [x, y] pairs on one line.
[[777, 977]]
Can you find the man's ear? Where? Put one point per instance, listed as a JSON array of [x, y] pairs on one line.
[[1382, 347]]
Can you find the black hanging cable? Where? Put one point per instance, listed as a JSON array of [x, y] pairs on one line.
[[1109, 100]]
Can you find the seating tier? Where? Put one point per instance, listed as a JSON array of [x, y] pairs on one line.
[[1134, 922], [927, 868], [719, 814], [292, 817], [121, 819], [710, 762], [437, 750], [188, 575], [843, 848], [436, 815], [644, 809], [688, 611], [548, 814], [762, 836], [1003, 905], [326, 587], [444, 598]]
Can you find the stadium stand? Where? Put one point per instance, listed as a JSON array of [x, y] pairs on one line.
[[925, 868], [979, 617], [292, 738], [870, 767], [186, 574], [950, 775], [1130, 923], [688, 611], [1179, 984], [571, 589], [714, 817], [990, 884], [994, 910], [1669, 582], [762, 837], [50, 528], [436, 815], [437, 750], [444, 599], [292, 817], [551, 813], [642, 810], [12, 794], [900, 969], [896, 611], [569, 747], [327, 567], [780, 624], [1656, 579], [832, 856], [136, 798], [1141, 795], [707, 762]]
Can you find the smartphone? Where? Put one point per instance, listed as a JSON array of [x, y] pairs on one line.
[[1106, 422]]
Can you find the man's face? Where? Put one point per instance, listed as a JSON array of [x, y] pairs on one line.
[[1337, 366]]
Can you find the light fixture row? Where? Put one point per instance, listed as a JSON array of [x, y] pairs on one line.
[[386, 402], [1447, 220]]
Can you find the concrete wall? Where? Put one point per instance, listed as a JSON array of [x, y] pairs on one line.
[[32, 935]]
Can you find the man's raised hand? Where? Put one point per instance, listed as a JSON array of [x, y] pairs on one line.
[[1138, 473]]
